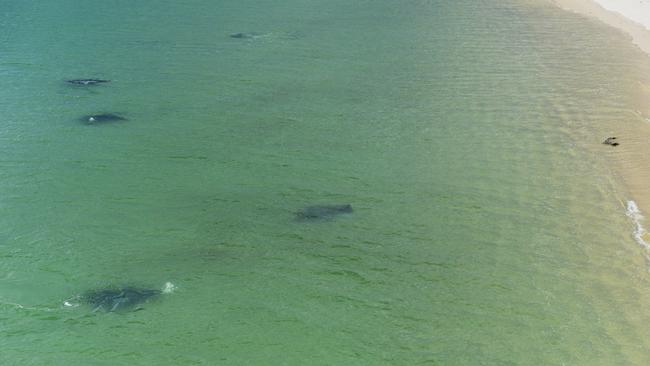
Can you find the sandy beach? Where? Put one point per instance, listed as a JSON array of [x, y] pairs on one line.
[[631, 16], [630, 159]]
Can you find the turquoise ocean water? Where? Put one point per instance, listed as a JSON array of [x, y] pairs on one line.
[[488, 228]]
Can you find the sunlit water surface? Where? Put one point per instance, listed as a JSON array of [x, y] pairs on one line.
[[487, 229]]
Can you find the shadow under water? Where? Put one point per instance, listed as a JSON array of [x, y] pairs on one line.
[[322, 212], [119, 299]]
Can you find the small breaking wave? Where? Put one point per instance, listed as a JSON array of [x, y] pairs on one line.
[[640, 232]]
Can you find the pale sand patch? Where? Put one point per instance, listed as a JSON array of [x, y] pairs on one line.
[[636, 10], [638, 31], [631, 160]]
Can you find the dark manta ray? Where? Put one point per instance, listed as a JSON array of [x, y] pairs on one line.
[[323, 212], [102, 118], [244, 35], [119, 299], [86, 81]]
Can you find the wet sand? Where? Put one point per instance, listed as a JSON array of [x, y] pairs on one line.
[[630, 160]]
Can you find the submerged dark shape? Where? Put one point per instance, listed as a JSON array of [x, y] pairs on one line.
[[87, 81], [101, 118], [119, 299], [243, 35], [611, 141], [322, 212]]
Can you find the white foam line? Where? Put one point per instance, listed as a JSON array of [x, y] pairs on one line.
[[18, 306], [634, 213]]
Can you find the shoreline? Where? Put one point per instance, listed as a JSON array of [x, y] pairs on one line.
[[630, 16], [630, 160]]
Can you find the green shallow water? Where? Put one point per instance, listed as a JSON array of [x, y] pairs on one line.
[[485, 229]]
